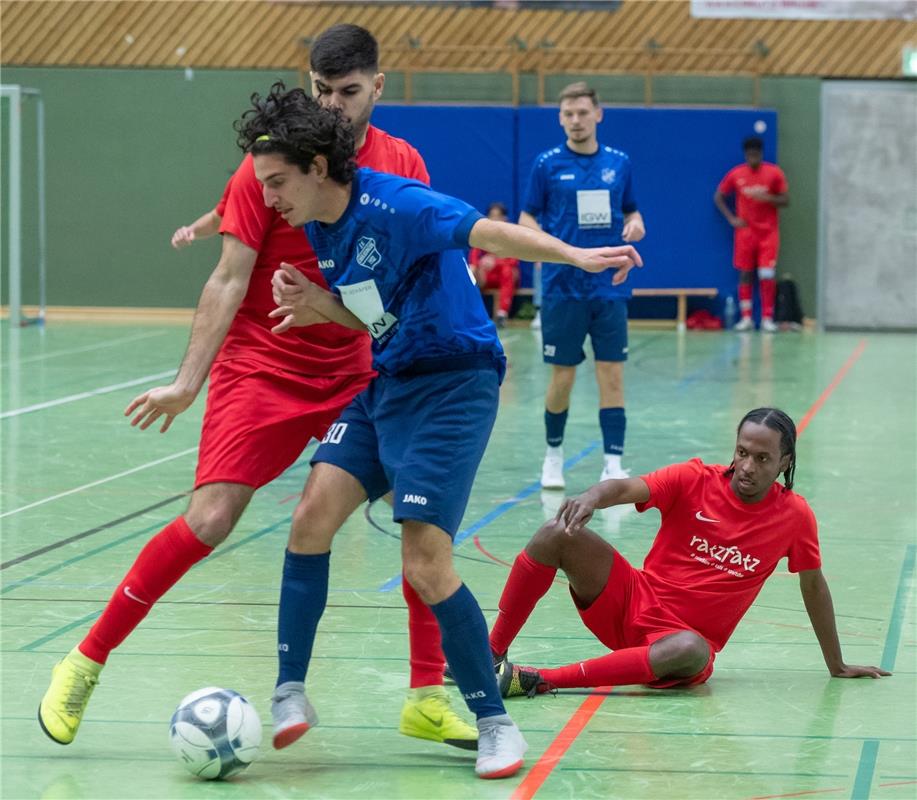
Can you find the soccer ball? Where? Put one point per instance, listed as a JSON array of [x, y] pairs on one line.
[[215, 733]]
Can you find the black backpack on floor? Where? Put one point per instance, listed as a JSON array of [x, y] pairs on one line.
[[787, 307]]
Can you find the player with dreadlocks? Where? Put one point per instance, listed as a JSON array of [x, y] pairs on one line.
[[723, 531]]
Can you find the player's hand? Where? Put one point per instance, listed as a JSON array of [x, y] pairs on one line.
[[854, 671], [294, 294], [183, 237], [168, 401], [575, 512], [488, 262], [286, 283], [598, 259], [634, 230], [738, 222], [295, 316]]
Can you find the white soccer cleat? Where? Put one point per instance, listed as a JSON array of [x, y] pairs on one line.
[[292, 712], [501, 747], [552, 470], [768, 325], [744, 324]]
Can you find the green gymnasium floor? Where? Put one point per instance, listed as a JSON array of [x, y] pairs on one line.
[[82, 491]]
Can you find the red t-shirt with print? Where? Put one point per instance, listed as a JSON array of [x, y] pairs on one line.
[[759, 214], [713, 552]]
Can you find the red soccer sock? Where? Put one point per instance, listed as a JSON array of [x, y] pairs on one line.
[[426, 656], [162, 561], [620, 668], [528, 582], [745, 291], [768, 289]]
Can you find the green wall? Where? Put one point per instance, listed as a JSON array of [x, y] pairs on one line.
[[133, 154]]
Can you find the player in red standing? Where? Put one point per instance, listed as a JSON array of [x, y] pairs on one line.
[[268, 396], [760, 188], [723, 531], [493, 272]]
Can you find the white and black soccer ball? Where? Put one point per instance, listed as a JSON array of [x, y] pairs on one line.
[[215, 733]]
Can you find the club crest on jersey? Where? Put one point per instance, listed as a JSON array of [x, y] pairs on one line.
[[367, 254], [608, 175]]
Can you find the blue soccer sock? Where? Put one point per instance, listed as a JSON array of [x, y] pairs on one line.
[[554, 425], [613, 423], [303, 595], [467, 650]]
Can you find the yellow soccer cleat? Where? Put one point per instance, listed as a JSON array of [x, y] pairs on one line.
[[62, 707], [427, 714]]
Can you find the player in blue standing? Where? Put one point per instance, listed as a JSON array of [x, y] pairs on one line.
[[391, 249], [582, 192]]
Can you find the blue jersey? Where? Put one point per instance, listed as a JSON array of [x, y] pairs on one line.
[[581, 199], [396, 258]]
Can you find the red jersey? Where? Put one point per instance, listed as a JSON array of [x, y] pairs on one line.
[[758, 214], [328, 349], [713, 552]]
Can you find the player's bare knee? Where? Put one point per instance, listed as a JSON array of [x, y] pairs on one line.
[[681, 654], [429, 580], [310, 527], [547, 545], [211, 522]]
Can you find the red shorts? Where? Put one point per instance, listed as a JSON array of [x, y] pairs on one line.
[[628, 614], [753, 248], [259, 420]]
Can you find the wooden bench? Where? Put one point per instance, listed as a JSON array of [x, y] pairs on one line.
[[681, 296]]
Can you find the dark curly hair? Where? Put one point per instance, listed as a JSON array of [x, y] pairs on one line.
[[779, 421], [296, 127]]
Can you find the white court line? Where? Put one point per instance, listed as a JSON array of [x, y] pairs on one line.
[[87, 348], [99, 482], [83, 395]]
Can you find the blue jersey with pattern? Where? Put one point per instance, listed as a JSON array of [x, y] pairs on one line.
[[581, 199], [396, 257]]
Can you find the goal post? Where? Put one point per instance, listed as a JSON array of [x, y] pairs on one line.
[[16, 96]]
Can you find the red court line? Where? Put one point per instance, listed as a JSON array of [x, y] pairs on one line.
[[798, 794], [816, 406], [898, 783], [539, 773]]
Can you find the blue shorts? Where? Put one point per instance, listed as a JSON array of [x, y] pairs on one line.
[[422, 436], [565, 323]]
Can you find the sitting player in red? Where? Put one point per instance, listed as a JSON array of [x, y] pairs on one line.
[[493, 272], [723, 531]]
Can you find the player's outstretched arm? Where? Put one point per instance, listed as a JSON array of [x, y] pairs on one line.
[[518, 241], [301, 302], [203, 227], [222, 295], [576, 512], [817, 598]]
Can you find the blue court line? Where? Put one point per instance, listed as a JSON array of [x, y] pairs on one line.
[[863, 781], [54, 634], [395, 581], [70, 626], [95, 551], [862, 784], [893, 638]]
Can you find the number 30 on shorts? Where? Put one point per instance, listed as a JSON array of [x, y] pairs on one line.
[[335, 433]]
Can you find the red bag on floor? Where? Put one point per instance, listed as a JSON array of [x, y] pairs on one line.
[[703, 320]]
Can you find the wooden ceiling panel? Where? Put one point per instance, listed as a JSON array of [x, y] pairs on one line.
[[268, 34]]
